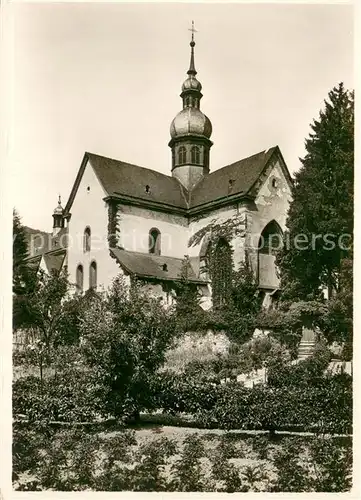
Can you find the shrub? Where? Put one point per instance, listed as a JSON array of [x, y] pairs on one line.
[[188, 472], [70, 396], [308, 372]]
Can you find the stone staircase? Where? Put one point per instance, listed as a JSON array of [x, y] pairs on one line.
[[305, 349]]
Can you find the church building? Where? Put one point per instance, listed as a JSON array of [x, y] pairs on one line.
[[124, 218]]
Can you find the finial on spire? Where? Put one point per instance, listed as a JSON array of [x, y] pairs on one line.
[[193, 30], [192, 69], [59, 200]]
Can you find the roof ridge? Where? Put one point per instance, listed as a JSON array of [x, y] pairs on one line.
[[243, 159], [127, 163]]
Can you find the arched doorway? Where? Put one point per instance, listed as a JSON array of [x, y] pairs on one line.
[[270, 241]]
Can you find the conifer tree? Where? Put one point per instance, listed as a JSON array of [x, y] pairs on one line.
[[322, 204], [20, 253]]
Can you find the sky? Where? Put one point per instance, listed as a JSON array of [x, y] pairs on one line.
[[106, 78]]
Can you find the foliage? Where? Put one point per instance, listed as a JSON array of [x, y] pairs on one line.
[[332, 465], [227, 229], [225, 472], [188, 468], [72, 459], [326, 467], [236, 301], [260, 444], [23, 275], [239, 315], [126, 334], [72, 395], [52, 315], [337, 321], [325, 406], [308, 372], [152, 458], [20, 253], [190, 315], [322, 203], [182, 393], [261, 352]]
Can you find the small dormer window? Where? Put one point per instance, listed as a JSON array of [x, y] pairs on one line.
[[165, 267], [147, 189], [230, 185]]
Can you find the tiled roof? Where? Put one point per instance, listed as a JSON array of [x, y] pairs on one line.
[[54, 260], [34, 262], [130, 182], [120, 178], [145, 265], [237, 178]]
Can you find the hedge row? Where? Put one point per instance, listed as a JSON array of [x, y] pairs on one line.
[[325, 407]]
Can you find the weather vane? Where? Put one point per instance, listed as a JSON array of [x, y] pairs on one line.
[[193, 30]]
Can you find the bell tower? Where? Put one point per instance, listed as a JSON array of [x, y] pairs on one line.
[[190, 131]]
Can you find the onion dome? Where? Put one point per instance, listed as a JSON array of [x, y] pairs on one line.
[[190, 132], [191, 121], [191, 84], [58, 210]]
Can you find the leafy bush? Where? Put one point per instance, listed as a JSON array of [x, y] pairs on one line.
[[70, 396], [308, 372], [326, 407], [325, 468], [188, 472], [74, 460]]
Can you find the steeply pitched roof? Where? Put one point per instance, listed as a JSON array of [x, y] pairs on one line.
[[237, 178], [34, 262], [124, 179], [54, 260], [145, 265], [129, 182]]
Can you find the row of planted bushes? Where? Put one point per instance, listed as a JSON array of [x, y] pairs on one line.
[[75, 459], [323, 407]]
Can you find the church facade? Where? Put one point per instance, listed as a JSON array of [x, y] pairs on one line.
[[123, 218]]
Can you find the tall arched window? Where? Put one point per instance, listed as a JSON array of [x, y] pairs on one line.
[[182, 155], [79, 278], [87, 240], [195, 155], [270, 241], [93, 275], [220, 265], [154, 241]]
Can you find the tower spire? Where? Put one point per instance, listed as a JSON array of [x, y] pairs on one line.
[[192, 69], [190, 131]]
